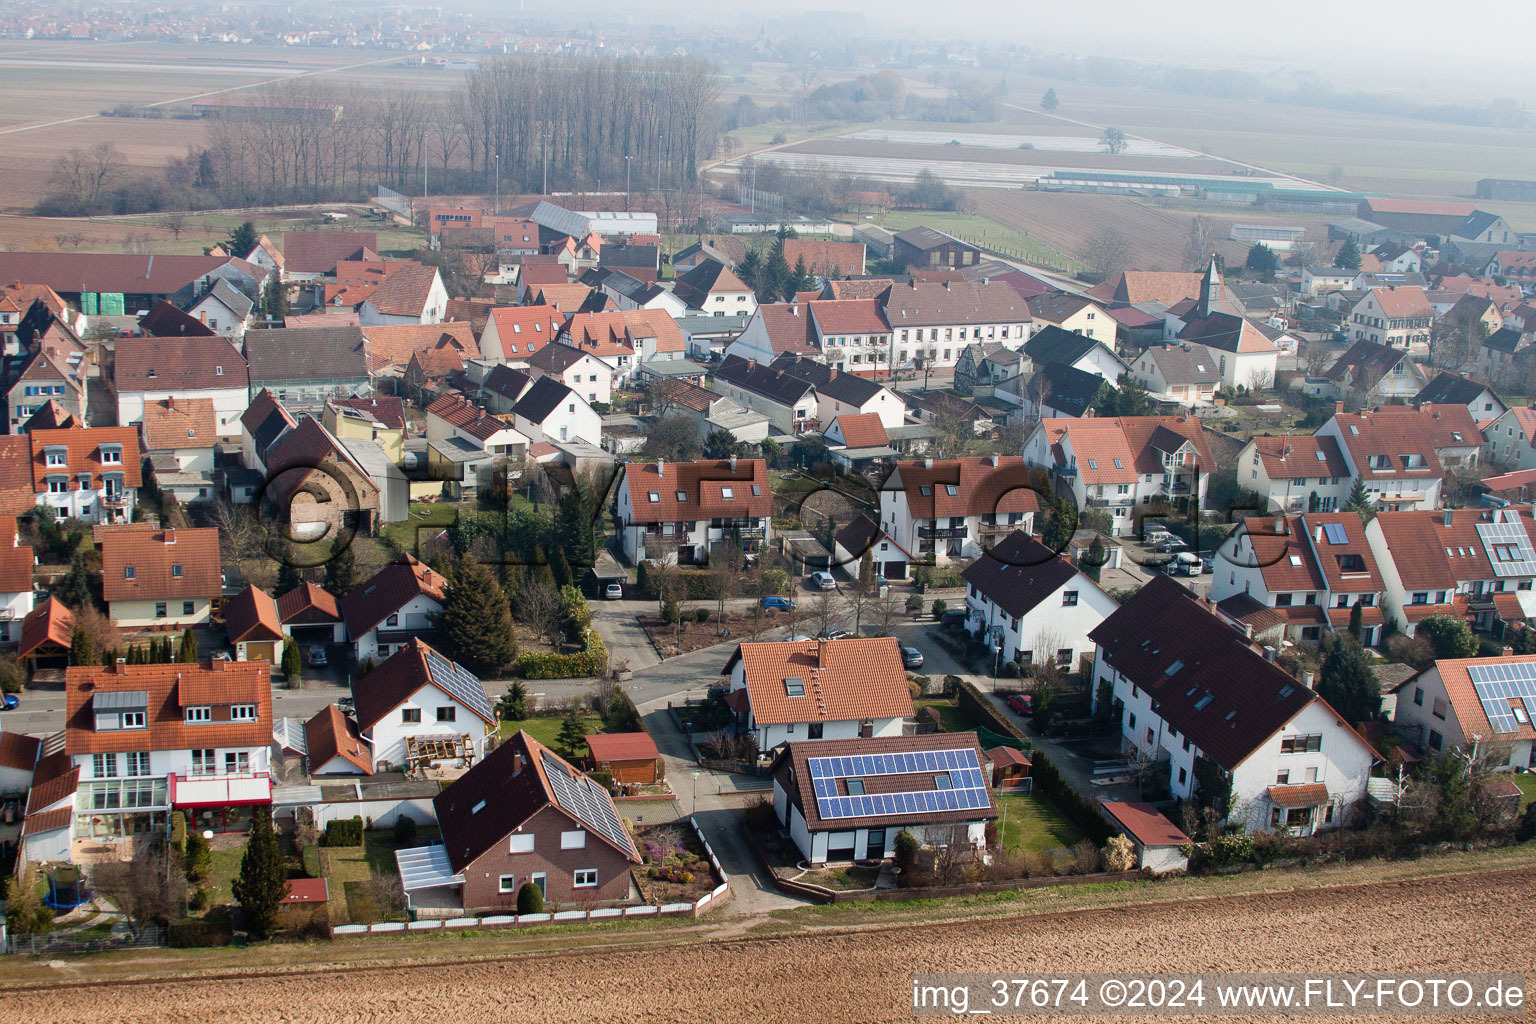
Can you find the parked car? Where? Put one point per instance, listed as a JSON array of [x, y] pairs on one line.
[[1208, 564], [1022, 703], [1187, 563], [823, 580], [317, 656], [911, 657], [834, 633], [613, 591], [782, 604], [11, 702], [347, 704], [954, 619]]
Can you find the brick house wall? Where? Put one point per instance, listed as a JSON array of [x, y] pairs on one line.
[[482, 876]]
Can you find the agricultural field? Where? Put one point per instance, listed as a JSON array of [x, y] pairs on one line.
[[1349, 928]]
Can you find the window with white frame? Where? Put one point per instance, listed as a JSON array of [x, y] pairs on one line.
[[520, 843], [237, 762], [573, 840], [242, 713], [584, 878], [197, 714], [104, 766], [507, 883]]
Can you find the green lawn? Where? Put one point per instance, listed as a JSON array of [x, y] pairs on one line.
[[349, 868], [1527, 783], [546, 728], [423, 513], [224, 865], [950, 719], [1032, 825]]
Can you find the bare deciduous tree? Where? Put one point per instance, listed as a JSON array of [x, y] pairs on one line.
[[1108, 252], [1203, 236], [83, 175], [824, 609], [148, 889]]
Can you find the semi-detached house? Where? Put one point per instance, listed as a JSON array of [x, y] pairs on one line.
[[679, 512], [146, 370], [1295, 473], [1191, 691], [852, 334], [1489, 703], [956, 508], [932, 322], [160, 579], [1400, 454]]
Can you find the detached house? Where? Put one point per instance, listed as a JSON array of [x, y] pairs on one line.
[[514, 333], [551, 411], [1072, 314], [1122, 463], [145, 370], [580, 371], [179, 439], [1192, 692], [88, 473], [956, 508], [850, 799], [1482, 403], [1368, 374], [411, 295], [712, 288], [398, 604], [224, 308], [1398, 317], [418, 709], [1512, 438], [524, 815], [796, 690], [145, 740], [1186, 374], [1034, 604], [153, 579], [1055, 345], [681, 511], [45, 378], [788, 401], [775, 329], [1489, 703], [455, 416]]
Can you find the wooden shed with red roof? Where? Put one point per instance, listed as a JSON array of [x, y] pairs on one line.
[[630, 757]]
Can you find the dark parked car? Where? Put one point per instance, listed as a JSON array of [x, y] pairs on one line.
[[954, 619]]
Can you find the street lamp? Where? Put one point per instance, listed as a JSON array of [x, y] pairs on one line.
[[997, 653], [497, 207], [694, 804], [626, 182]]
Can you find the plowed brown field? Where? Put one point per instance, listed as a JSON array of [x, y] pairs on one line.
[[1478, 922]]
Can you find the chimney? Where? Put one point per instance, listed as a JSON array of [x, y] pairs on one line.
[[517, 764], [1446, 517], [821, 652], [1317, 534], [733, 463], [992, 461], [1338, 408], [928, 463], [1306, 679], [751, 364], [1269, 653], [661, 467], [170, 401], [1279, 526], [170, 537], [121, 664]]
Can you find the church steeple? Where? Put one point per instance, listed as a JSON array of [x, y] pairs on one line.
[[1210, 289]]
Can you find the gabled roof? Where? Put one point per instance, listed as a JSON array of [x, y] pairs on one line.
[[166, 321], [848, 388], [16, 489], [405, 292], [684, 393], [706, 277], [1403, 301], [390, 589], [189, 423], [1097, 442], [860, 288], [1065, 388], [304, 451], [265, 419], [789, 327], [1019, 572], [823, 255], [849, 316], [1279, 549], [1450, 388], [1227, 333], [506, 382], [75, 272], [82, 448], [460, 412], [388, 411], [252, 615], [19, 752], [331, 734], [51, 416], [508, 787], [232, 298], [1365, 363], [1202, 674], [1052, 344], [307, 604], [761, 379], [929, 304], [928, 238], [1393, 435], [165, 564], [527, 327], [697, 490], [862, 430], [556, 358], [438, 362], [50, 622], [1339, 544], [405, 672], [842, 680], [318, 252], [1132, 286], [176, 364], [542, 398], [1144, 823], [1185, 364], [964, 487], [393, 345], [1470, 710], [169, 689], [622, 746], [1296, 457], [1431, 555], [1505, 339]]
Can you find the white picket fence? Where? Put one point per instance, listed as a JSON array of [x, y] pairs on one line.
[[558, 917]]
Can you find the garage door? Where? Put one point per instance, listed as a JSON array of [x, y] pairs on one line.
[[260, 651], [895, 570]]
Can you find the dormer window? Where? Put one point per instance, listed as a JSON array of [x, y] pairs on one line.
[[197, 715], [242, 713], [218, 371], [56, 457], [176, 571], [111, 456], [129, 572]]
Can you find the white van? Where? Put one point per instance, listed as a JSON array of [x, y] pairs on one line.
[[1188, 563]]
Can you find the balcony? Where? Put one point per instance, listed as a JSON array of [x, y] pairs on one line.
[[115, 500], [1117, 500], [992, 529], [221, 790], [941, 532]]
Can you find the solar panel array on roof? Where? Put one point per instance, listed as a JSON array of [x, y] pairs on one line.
[[582, 799], [1336, 533], [1499, 686], [1502, 539], [461, 685], [966, 790]]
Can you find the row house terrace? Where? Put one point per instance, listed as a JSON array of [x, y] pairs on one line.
[[1195, 694], [1401, 454], [1311, 569], [680, 512], [932, 322], [942, 509], [1304, 473], [1119, 464], [149, 739]]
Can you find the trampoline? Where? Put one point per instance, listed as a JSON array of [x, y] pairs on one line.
[[66, 889]]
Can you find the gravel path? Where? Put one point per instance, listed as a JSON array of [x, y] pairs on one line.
[[1463, 923]]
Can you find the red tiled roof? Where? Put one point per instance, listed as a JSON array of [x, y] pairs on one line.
[[1284, 559], [1293, 457], [1469, 707], [252, 615], [863, 430], [54, 778], [177, 364], [166, 564], [1005, 756], [394, 345], [83, 454], [622, 746], [318, 252], [389, 410], [981, 484], [1135, 286], [391, 588], [171, 688], [849, 316], [822, 255], [16, 560], [460, 412], [1392, 435], [844, 680], [1403, 301], [307, 604], [788, 326], [185, 423], [1310, 795], [47, 821], [527, 327], [1438, 208], [1146, 824], [1430, 555], [1350, 567], [16, 489], [331, 734], [19, 751], [405, 292], [50, 622], [704, 483]]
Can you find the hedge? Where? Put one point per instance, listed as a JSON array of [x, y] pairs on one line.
[[545, 665], [311, 859], [343, 832], [693, 584], [178, 830], [190, 934]]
